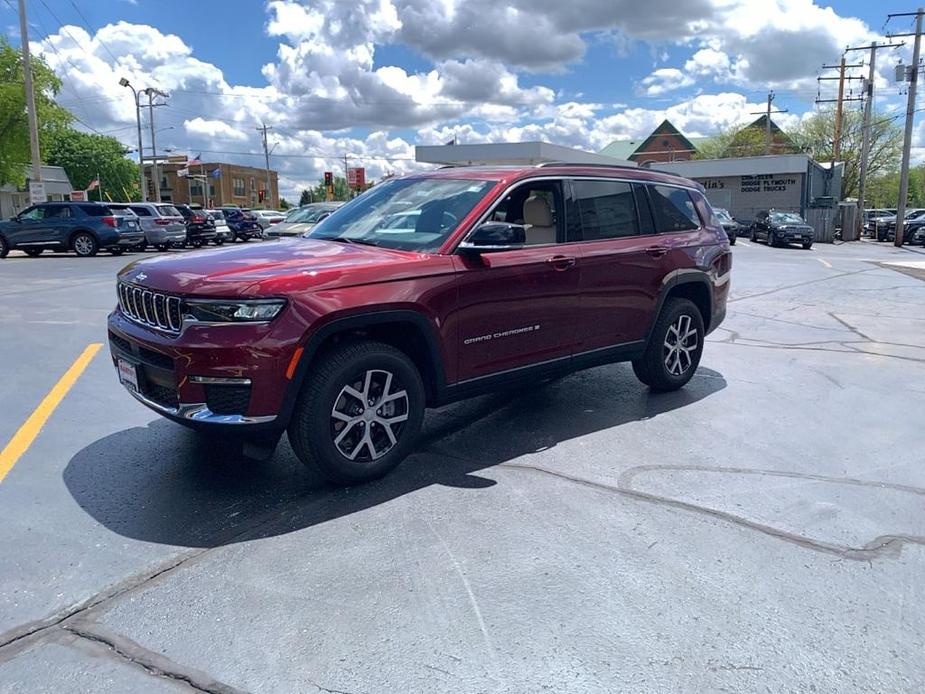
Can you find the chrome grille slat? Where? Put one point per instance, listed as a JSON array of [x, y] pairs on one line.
[[150, 308]]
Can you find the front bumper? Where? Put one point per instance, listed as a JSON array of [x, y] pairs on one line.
[[171, 369]]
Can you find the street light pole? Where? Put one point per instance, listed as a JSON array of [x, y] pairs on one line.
[[141, 165]]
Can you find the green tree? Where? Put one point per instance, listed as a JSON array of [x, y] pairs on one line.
[[816, 135], [284, 204], [883, 190], [14, 125], [733, 142], [305, 198], [84, 156], [341, 191]]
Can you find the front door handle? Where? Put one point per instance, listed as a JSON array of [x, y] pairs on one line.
[[561, 262], [657, 251]]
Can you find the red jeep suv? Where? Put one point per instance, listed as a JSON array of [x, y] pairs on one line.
[[424, 290]]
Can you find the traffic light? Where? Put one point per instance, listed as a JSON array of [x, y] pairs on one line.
[[328, 179], [260, 195]]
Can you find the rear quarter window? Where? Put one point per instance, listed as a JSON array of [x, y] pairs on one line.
[[141, 211], [168, 211], [673, 209], [96, 210]]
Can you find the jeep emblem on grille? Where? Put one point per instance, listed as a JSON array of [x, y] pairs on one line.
[[141, 276]]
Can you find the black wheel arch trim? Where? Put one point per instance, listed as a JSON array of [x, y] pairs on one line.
[[435, 390], [679, 278]]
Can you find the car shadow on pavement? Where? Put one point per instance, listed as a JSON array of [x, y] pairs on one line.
[[166, 484]]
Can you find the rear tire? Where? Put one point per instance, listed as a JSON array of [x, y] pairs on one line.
[[84, 245], [4, 247], [162, 246], [359, 413], [117, 251], [33, 252], [807, 246], [673, 353], [753, 236]]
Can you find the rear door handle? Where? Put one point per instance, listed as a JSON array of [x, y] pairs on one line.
[[657, 251], [561, 262]]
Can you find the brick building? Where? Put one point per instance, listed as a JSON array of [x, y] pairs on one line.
[[667, 144], [225, 184]]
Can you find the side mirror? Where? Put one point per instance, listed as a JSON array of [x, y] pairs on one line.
[[492, 237]]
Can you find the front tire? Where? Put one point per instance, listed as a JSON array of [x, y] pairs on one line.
[[84, 245], [753, 236], [807, 246], [162, 246], [359, 412], [673, 353], [4, 248], [117, 251]]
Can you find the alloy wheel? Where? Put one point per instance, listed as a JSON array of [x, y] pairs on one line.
[[368, 416], [83, 245], [680, 346]]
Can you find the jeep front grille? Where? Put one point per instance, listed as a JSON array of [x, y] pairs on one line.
[[150, 308]]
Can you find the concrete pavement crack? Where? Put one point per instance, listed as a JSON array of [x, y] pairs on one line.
[[153, 663], [882, 545], [326, 689], [798, 284]]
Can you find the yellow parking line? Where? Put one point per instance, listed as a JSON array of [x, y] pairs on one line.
[[23, 438], [824, 262]]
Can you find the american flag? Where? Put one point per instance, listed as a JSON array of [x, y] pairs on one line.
[[194, 161], [94, 184]]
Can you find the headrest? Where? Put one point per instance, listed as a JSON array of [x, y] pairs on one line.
[[537, 212]]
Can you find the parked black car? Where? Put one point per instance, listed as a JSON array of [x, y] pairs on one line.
[[200, 227], [913, 221], [782, 228], [730, 225], [242, 223], [84, 227]]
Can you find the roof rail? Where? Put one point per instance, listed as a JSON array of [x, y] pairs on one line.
[[608, 166], [578, 163]]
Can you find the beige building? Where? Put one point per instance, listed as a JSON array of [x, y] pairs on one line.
[[234, 184]]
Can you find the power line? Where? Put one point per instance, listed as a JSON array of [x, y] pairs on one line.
[[94, 33]]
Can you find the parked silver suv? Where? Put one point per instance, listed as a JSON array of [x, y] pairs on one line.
[[163, 224]]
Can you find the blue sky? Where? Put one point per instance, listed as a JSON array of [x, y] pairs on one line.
[[374, 77]]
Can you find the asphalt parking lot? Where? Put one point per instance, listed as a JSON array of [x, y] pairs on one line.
[[761, 530]]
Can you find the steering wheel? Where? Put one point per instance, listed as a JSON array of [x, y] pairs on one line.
[[454, 220]]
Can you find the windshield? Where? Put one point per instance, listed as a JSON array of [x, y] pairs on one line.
[[914, 214], [410, 214], [722, 215], [786, 218], [308, 215]]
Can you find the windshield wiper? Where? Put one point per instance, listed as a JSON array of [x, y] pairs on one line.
[[360, 242]]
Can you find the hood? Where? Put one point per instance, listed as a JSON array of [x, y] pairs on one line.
[[275, 268], [292, 228]]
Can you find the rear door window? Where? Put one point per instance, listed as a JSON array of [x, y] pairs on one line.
[[607, 209], [168, 211], [673, 209], [57, 212], [141, 211]]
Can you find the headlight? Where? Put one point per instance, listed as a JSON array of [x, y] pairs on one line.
[[209, 311]]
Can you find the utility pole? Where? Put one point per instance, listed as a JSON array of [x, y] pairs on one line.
[[868, 110], [35, 183], [267, 196], [910, 122], [152, 92], [839, 102], [767, 125], [347, 176], [141, 153]]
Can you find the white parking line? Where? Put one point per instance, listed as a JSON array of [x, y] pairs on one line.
[[824, 262], [740, 242]]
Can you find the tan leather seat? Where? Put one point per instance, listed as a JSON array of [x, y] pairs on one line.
[[541, 227]]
